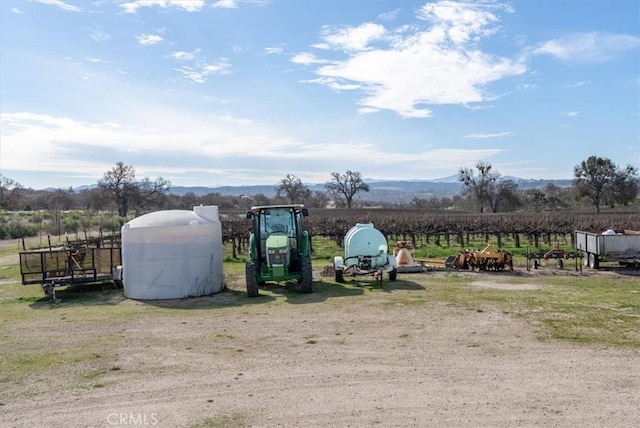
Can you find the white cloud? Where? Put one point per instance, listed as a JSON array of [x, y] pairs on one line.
[[462, 22], [201, 72], [225, 4], [16, 10], [148, 39], [418, 66], [237, 149], [333, 84], [576, 85], [570, 113], [184, 56], [234, 4], [389, 16], [588, 47], [352, 38], [97, 60], [306, 58], [186, 5], [98, 36], [493, 135], [275, 50], [523, 87], [59, 3]]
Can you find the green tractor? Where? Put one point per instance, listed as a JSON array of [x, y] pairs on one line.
[[280, 247]]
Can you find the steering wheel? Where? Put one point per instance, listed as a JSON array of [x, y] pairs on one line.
[[279, 228]]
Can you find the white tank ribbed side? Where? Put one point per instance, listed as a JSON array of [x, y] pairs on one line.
[[173, 254]]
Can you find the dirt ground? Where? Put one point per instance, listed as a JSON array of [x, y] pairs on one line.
[[355, 359]]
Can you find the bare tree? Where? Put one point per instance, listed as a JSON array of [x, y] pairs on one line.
[[64, 199], [535, 199], [149, 193], [10, 193], [94, 200], [479, 187], [292, 189], [120, 183], [318, 199], [503, 195], [347, 185]]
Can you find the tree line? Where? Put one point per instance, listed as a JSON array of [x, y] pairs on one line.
[[597, 182]]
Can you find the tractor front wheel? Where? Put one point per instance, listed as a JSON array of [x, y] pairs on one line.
[[307, 275], [251, 273]]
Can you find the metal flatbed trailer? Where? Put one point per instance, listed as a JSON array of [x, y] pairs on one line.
[[88, 261]]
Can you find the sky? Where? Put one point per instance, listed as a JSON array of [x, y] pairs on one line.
[[239, 92]]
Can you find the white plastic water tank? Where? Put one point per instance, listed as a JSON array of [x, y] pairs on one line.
[[172, 254], [364, 240]]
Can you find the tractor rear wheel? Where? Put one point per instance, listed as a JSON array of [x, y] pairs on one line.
[[251, 273], [307, 275]]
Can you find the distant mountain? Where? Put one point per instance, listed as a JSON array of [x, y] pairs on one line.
[[529, 183], [249, 190], [448, 179], [380, 190], [81, 188]]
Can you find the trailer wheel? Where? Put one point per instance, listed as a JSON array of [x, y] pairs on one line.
[[393, 275], [593, 261], [307, 276], [250, 277]]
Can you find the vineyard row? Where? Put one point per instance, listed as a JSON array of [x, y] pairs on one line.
[[450, 230]]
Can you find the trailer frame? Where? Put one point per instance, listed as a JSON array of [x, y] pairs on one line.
[[96, 260]]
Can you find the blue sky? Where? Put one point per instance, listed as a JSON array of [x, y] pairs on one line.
[[231, 92]]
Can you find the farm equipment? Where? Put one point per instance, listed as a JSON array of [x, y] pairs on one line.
[[86, 261], [365, 253], [555, 253], [486, 259], [404, 252], [279, 247], [609, 246]]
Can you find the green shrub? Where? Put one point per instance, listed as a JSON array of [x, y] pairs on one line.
[[111, 224], [17, 229], [36, 218], [70, 225]]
